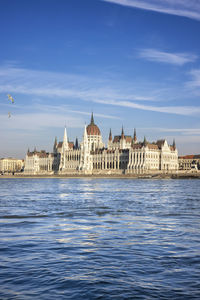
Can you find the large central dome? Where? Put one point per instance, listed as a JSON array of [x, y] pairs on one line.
[[93, 129]]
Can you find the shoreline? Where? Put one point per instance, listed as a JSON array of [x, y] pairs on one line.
[[182, 175]]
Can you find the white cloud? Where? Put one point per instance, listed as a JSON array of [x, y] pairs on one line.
[[54, 84], [179, 131], [195, 82], [167, 57], [37, 121], [72, 87], [47, 116], [66, 110], [183, 8], [179, 110]]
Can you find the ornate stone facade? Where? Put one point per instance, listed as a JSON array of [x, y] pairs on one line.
[[11, 165], [39, 163], [189, 162], [124, 154]]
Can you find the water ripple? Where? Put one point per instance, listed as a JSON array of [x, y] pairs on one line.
[[99, 239]]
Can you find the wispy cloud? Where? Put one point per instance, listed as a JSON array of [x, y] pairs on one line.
[[48, 116], [167, 57], [54, 84], [66, 110], [72, 87], [195, 81], [179, 110], [38, 120], [183, 8], [182, 131]]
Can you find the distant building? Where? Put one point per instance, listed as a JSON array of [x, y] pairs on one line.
[[40, 162], [124, 154], [10, 165], [189, 162]]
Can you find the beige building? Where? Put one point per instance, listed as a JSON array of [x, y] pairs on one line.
[[150, 157], [124, 154], [40, 162], [10, 165], [189, 162]]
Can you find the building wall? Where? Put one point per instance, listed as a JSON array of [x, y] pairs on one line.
[[145, 159], [40, 163], [70, 161], [110, 160], [139, 160], [95, 142], [189, 162], [124, 154], [169, 158], [11, 165], [119, 143]]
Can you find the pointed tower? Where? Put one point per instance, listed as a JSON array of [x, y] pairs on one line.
[[55, 146], [85, 138], [110, 135], [92, 119], [134, 137], [85, 160], [76, 143], [122, 140], [110, 140], [65, 147], [65, 141], [174, 144], [122, 134]]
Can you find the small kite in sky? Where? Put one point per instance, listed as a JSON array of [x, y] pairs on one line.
[[10, 98]]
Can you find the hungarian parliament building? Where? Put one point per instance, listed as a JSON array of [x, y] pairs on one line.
[[123, 155]]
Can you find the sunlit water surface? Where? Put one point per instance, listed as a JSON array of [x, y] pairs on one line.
[[99, 239]]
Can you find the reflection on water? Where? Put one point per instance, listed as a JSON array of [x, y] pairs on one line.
[[99, 239]]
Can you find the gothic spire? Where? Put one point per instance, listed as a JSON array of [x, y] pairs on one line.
[[55, 145], [134, 136], [76, 143], [85, 139], [122, 134], [174, 144], [92, 119], [65, 141], [110, 135]]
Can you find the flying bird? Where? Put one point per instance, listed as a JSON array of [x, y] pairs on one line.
[[10, 98]]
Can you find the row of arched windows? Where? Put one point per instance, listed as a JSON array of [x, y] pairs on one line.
[[110, 165], [75, 157]]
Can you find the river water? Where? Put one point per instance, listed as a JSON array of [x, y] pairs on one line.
[[99, 239]]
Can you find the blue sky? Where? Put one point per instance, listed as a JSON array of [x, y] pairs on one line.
[[133, 63]]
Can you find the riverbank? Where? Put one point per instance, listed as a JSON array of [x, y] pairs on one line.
[[180, 175]]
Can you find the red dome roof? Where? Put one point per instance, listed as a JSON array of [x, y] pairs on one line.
[[93, 129]]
